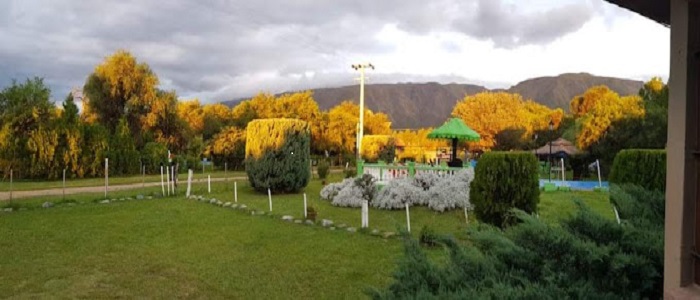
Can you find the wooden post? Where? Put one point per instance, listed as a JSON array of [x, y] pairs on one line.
[[106, 176], [269, 197], [162, 184], [64, 183], [209, 183], [226, 173], [600, 182], [167, 179], [11, 186], [172, 178], [189, 182], [305, 206], [235, 191], [563, 175], [408, 219], [466, 217]]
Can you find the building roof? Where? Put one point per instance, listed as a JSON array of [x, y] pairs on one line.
[[657, 10], [558, 145]]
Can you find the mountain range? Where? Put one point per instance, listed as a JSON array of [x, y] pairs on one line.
[[418, 105]]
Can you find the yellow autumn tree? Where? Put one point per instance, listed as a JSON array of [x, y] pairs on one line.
[[601, 107], [228, 146], [341, 129], [120, 87], [417, 146], [192, 113], [372, 145], [489, 113]]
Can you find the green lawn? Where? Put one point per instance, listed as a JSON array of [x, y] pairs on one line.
[[173, 247], [26, 185]]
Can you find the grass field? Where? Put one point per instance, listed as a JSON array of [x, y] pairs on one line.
[[172, 247], [25, 185]]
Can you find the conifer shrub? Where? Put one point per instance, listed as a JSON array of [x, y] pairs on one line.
[[277, 155], [641, 167], [585, 257], [503, 181]]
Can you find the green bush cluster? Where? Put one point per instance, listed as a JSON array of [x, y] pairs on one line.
[[323, 169], [584, 257], [645, 168], [504, 180], [282, 169]]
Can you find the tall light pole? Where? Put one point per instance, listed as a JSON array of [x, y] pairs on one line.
[[551, 127], [361, 68]]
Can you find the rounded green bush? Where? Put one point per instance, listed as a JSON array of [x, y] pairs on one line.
[[503, 181]]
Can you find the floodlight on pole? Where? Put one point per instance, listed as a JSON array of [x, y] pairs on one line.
[[361, 68]]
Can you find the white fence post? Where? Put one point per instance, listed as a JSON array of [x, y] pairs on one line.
[[209, 183], [162, 184], [172, 179], [167, 179], [11, 186], [600, 182], [106, 176], [235, 191], [408, 219], [64, 183], [305, 206], [189, 182], [269, 197]]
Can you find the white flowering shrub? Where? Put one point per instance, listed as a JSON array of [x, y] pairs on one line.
[[451, 192], [349, 196], [426, 180], [351, 191], [398, 192], [331, 190]]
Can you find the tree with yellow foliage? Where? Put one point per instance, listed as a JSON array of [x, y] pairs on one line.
[[121, 87], [192, 113], [341, 131], [600, 108], [417, 146], [489, 113], [228, 146]]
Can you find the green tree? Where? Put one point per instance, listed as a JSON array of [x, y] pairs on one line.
[[25, 113], [119, 88], [123, 157]]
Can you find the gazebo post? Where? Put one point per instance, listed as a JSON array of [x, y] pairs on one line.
[[454, 149]]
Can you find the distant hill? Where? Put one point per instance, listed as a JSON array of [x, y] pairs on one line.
[[416, 105], [558, 91]]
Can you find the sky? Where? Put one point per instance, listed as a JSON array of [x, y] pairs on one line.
[[217, 50]]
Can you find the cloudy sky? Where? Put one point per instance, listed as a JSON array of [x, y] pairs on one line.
[[222, 49]]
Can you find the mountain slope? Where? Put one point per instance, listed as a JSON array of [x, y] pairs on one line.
[[558, 91], [416, 105]]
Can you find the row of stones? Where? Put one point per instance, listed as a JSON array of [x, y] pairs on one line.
[[287, 218], [49, 204]]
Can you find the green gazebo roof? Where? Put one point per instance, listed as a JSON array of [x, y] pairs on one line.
[[454, 128]]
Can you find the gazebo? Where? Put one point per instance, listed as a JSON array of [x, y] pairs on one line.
[[455, 130], [559, 145]]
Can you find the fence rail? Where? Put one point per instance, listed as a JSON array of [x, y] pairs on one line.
[[388, 172]]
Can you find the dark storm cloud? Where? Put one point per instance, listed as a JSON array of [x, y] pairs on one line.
[[509, 26], [224, 49]]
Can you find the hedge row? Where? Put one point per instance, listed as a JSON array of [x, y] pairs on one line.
[[645, 168]]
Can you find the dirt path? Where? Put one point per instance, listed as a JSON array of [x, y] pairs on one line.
[[4, 196]]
